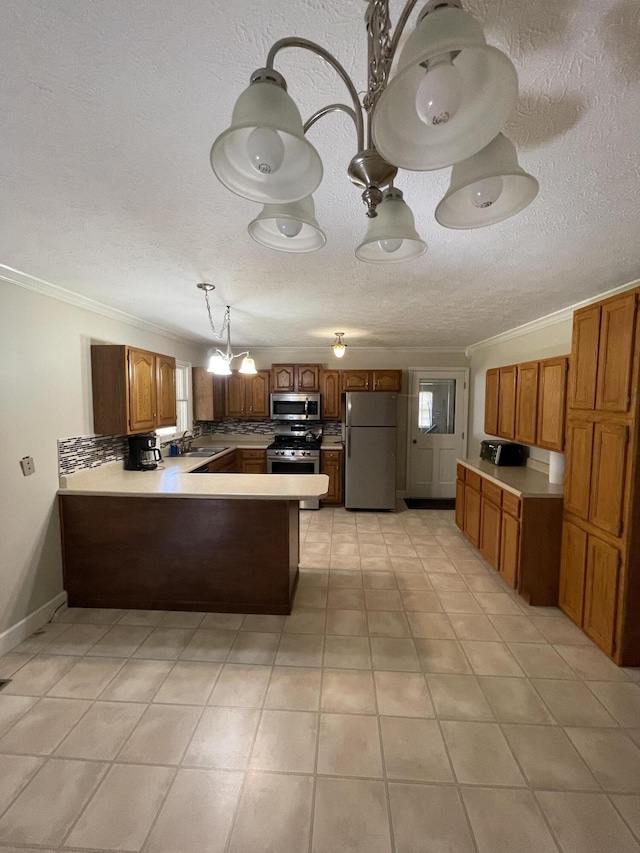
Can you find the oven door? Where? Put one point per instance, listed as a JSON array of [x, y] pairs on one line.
[[296, 466], [295, 407]]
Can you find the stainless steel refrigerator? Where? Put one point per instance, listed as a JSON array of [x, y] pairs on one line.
[[369, 420]]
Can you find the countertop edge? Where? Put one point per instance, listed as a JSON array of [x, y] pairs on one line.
[[553, 490]]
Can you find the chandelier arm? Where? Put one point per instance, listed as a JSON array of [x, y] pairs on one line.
[[330, 108], [306, 44]]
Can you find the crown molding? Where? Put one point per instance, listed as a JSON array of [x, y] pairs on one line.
[[548, 320], [54, 291], [354, 347]]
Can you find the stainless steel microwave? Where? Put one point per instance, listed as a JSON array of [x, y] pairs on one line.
[[295, 407]]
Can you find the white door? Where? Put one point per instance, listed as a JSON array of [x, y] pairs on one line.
[[436, 432]]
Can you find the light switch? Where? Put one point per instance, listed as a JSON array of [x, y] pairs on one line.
[[28, 466]]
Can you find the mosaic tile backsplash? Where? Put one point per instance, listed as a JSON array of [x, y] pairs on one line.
[[230, 426]]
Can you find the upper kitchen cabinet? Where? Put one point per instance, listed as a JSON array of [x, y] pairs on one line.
[[387, 380], [372, 380], [208, 395], [507, 397], [552, 399], [330, 394], [295, 377], [584, 358], [527, 402], [492, 387], [247, 395], [133, 390]]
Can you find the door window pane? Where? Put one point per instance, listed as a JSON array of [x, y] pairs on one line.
[[437, 406]]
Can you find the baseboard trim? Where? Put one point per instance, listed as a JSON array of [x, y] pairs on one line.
[[13, 636]]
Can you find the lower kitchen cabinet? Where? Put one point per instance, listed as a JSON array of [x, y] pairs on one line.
[[601, 592], [490, 529], [460, 499], [331, 464], [573, 570], [227, 464], [471, 524], [509, 549], [252, 461]]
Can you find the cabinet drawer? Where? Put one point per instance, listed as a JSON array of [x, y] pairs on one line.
[[333, 455], [472, 479], [511, 504], [461, 471], [491, 492], [253, 454]]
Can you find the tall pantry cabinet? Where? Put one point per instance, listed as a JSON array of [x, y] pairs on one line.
[[600, 563]]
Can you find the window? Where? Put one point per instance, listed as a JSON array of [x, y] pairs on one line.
[[436, 406], [184, 402]]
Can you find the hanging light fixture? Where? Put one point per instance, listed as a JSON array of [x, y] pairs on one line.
[[448, 99], [220, 360], [339, 346]]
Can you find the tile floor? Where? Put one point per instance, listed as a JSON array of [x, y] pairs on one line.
[[410, 704]]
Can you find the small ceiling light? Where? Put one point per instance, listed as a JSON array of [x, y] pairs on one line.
[[486, 188], [339, 347], [288, 227], [219, 360], [391, 237]]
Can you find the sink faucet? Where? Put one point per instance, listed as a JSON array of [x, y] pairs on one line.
[[186, 441]]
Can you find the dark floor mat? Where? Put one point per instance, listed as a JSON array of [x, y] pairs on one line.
[[430, 503]]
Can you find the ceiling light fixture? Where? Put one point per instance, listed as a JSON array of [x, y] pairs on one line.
[[339, 346], [219, 360], [445, 105]]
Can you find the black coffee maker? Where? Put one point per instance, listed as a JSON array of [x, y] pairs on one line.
[[143, 453]]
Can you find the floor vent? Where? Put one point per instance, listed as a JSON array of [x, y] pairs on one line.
[[4, 682]]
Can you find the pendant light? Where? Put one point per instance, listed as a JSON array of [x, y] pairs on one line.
[[288, 227], [391, 237], [339, 347], [220, 360]]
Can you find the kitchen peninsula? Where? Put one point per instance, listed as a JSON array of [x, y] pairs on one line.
[[172, 539]]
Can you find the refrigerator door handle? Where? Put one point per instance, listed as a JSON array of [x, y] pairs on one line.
[[348, 443]]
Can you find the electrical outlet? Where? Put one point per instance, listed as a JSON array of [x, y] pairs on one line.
[[28, 466]]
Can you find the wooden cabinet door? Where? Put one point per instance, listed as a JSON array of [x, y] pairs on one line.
[[577, 488], [509, 549], [472, 514], [573, 567], [490, 531], [203, 408], [601, 593], [608, 476], [283, 378], [507, 398], [387, 380], [142, 390], [615, 353], [552, 396], [166, 391], [491, 397], [257, 402], [460, 504], [307, 378], [330, 395], [356, 380], [583, 366], [252, 461], [527, 402], [331, 465], [235, 396]]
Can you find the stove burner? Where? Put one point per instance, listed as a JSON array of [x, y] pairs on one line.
[[288, 442]]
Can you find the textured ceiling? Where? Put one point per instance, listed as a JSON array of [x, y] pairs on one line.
[[108, 111]]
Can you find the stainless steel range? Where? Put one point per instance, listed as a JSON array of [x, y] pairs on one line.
[[296, 450]]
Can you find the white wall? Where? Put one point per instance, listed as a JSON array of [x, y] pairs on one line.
[[45, 394]]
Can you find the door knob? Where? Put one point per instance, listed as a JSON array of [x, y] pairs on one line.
[[415, 440]]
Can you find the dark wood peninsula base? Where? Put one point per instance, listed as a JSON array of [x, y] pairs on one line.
[[213, 555]]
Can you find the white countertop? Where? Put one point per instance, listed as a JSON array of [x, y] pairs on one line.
[[522, 481]]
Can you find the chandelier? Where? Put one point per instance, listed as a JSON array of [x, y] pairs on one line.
[[220, 360], [445, 105]]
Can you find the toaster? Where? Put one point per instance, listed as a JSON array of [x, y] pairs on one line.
[[502, 452]]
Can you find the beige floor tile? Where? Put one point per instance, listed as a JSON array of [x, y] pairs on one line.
[[189, 683], [347, 623], [121, 641], [431, 626], [468, 567], [181, 619], [414, 750], [586, 823], [162, 735], [319, 547], [345, 598], [572, 704], [458, 602], [634, 734], [77, 640], [209, 644], [383, 599], [197, 814], [438, 566], [506, 821], [300, 650], [387, 623], [458, 697], [10, 664], [345, 579], [347, 653], [390, 653], [348, 691], [513, 700], [376, 564], [380, 580], [447, 583], [472, 627], [15, 772], [294, 688], [121, 813], [498, 603], [415, 581], [101, 732], [311, 597], [42, 728], [591, 664], [274, 815], [87, 679], [612, 757], [403, 694], [31, 818], [254, 647], [223, 739], [629, 807], [548, 758], [142, 617], [164, 644], [39, 675], [286, 742], [349, 745], [428, 819], [444, 656], [241, 685], [138, 681], [396, 539], [480, 754], [350, 815], [12, 708], [349, 549], [302, 621], [261, 622], [484, 583], [421, 602], [621, 699], [540, 661], [410, 564], [311, 578], [491, 658], [560, 630], [222, 621], [38, 641], [517, 629]]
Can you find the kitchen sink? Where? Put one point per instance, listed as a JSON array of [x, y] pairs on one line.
[[203, 452]]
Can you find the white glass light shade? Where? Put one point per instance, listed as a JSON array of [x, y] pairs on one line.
[[497, 160], [339, 350], [265, 228], [248, 365], [266, 105], [490, 91], [219, 365], [393, 222]]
